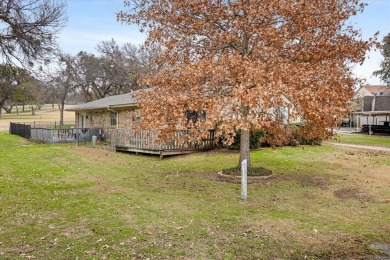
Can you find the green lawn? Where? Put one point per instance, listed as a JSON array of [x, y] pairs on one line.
[[364, 139], [69, 202]]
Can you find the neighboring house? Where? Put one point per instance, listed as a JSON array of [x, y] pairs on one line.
[[117, 117], [376, 110], [371, 90], [370, 105], [372, 110]]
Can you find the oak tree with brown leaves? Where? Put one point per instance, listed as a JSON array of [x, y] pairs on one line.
[[248, 64]]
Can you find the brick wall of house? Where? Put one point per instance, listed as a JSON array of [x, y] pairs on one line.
[[97, 119], [102, 119], [128, 118]]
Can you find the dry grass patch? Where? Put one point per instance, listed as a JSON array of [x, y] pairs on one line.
[[310, 181], [353, 193]]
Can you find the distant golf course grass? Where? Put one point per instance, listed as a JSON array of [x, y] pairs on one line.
[[75, 202], [47, 116]]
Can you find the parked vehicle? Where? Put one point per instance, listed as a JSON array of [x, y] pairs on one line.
[[345, 122], [371, 129]]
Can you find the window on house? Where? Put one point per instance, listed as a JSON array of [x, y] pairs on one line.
[[193, 116], [113, 118], [137, 116]]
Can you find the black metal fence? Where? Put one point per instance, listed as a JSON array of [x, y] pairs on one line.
[[52, 124], [65, 134], [52, 133], [20, 129]]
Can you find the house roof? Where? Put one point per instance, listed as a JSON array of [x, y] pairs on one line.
[[376, 89], [111, 101], [382, 103]]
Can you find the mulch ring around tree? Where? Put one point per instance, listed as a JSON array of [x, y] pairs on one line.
[[254, 175]]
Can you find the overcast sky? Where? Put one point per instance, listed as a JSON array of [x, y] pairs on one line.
[[93, 21]]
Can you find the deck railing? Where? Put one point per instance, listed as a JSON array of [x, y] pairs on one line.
[[149, 140]]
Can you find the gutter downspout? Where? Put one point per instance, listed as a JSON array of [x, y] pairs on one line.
[[116, 116]]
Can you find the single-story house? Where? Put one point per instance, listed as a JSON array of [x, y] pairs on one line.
[[117, 116], [110, 113]]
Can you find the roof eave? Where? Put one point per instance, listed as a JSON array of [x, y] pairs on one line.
[[102, 107], [123, 106], [367, 113]]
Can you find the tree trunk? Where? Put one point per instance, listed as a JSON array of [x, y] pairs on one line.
[[32, 110], [1, 107], [244, 148], [7, 106], [62, 106], [8, 109]]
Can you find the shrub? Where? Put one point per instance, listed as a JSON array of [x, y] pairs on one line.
[[300, 137], [293, 135], [254, 140]]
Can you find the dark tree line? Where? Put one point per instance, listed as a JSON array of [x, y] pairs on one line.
[[19, 86]]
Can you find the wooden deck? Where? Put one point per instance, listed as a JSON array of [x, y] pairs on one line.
[[147, 142]]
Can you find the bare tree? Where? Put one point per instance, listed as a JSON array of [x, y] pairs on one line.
[[121, 65], [28, 29], [62, 82], [115, 70]]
